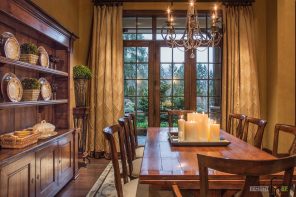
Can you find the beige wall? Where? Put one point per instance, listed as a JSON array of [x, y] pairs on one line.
[[76, 16]]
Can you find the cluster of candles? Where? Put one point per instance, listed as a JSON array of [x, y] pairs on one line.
[[198, 128]]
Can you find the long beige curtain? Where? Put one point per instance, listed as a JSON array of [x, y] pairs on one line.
[[240, 89], [106, 99]]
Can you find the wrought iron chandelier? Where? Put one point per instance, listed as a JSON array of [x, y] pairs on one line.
[[193, 37]]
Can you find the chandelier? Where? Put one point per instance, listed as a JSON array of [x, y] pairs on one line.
[[193, 37]]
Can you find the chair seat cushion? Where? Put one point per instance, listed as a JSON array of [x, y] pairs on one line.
[[139, 152], [136, 167], [130, 188]]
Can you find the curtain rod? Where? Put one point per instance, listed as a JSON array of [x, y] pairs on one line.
[[238, 2], [108, 2]]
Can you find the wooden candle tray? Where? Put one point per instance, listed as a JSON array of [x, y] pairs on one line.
[[173, 138]]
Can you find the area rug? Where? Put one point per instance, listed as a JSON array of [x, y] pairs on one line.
[[105, 185]]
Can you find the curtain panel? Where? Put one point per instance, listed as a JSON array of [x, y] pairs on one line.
[[240, 90], [106, 99]]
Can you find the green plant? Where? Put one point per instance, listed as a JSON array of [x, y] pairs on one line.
[[29, 48], [81, 72], [31, 83]]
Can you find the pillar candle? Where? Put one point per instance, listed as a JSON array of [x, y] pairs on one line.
[[202, 127], [181, 128], [190, 116], [214, 132], [190, 131]]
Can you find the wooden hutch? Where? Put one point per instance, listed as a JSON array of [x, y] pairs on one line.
[[44, 168]]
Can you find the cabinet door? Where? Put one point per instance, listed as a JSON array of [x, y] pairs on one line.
[[18, 178], [66, 149], [47, 170]]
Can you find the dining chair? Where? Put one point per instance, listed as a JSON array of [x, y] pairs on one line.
[[260, 124], [239, 118], [137, 152], [250, 169], [286, 129], [129, 188], [172, 113], [134, 165]]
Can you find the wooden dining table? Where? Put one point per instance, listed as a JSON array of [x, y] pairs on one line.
[[164, 165]]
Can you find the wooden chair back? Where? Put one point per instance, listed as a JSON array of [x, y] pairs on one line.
[[134, 123], [286, 129], [172, 113], [124, 124], [109, 133], [131, 135], [260, 124], [251, 169], [240, 118]]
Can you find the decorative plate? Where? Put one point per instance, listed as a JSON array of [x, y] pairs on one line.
[[46, 91], [10, 46], [11, 88], [43, 57]]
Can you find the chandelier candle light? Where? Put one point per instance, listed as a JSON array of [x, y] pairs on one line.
[[193, 36], [198, 128]]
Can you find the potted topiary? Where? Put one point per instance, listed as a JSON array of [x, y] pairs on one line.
[[31, 88], [82, 75], [29, 53]]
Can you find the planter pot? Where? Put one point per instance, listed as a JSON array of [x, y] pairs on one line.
[[81, 87], [31, 95], [30, 58]]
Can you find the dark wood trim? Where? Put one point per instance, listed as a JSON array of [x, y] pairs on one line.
[[29, 14], [28, 66], [31, 103]]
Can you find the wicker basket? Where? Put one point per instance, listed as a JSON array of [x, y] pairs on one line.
[[31, 94], [11, 141], [30, 58]]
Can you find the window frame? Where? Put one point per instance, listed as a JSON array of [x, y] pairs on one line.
[[190, 77]]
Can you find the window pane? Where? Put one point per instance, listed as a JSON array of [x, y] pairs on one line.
[[165, 54], [215, 55], [202, 104], [142, 104], [144, 34], [166, 71], [129, 104], [165, 88], [215, 104], [180, 22], [160, 21], [164, 120], [202, 87], [142, 89], [130, 87], [129, 22], [144, 22], [215, 87], [142, 71], [202, 71], [216, 117], [202, 54], [142, 120], [178, 55], [178, 71], [178, 88], [178, 103], [165, 103], [129, 36], [129, 71], [142, 53], [215, 71], [130, 54]]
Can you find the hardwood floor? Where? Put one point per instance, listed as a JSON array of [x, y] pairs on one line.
[[84, 182]]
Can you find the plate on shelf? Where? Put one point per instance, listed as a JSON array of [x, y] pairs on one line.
[[11, 88], [10, 46], [43, 57], [46, 91]]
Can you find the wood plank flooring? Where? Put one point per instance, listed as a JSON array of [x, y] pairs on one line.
[[87, 177]]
